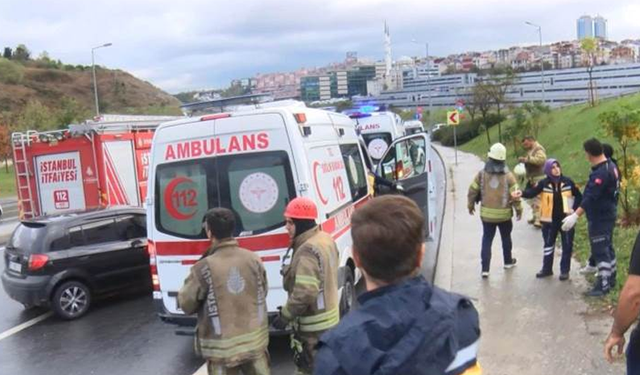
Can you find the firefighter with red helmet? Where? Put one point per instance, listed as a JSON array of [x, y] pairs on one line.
[[311, 282]]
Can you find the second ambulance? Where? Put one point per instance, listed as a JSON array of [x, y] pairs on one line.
[[253, 162]]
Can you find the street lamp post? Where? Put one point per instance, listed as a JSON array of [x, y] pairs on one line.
[[428, 80], [95, 83], [542, 63]]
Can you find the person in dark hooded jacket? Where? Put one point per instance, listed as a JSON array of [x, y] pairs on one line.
[[404, 325]]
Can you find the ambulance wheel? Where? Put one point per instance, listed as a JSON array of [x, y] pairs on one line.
[[348, 299], [71, 300]]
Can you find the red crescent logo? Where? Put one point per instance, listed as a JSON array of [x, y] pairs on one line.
[[315, 180], [168, 202]]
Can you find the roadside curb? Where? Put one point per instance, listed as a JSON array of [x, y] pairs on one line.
[[444, 270], [444, 210]]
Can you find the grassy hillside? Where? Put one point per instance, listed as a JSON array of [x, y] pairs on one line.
[[53, 84], [563, 136]]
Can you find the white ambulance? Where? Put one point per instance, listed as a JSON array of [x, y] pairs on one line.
[[413, 127], [378, 129], [253, 162]]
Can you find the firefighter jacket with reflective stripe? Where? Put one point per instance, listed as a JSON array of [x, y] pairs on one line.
[[493, 188], [534, 163], [408, 328], [228, 290], [564, 191], [311, 281]]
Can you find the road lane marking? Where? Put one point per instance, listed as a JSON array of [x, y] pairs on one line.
[[24, 325], [202, 370]]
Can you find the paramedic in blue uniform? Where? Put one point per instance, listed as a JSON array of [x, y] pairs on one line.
[[599, 203]]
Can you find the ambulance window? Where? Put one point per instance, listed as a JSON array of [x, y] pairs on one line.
[[355, 171], [186, 190], [257, 187]]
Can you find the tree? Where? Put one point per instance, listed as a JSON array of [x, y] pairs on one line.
[[21, 53], [536, 117], [497, 89], [70, 111], [36, 116], [590, 47], [8, 52], [623, 124], [10, 72], [5, 145], [483, 102]]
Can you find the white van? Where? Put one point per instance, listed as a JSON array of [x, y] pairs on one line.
[[378, 129], [253, 162], [413, 127]]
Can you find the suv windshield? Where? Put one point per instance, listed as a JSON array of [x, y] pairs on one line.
[[29, 238], [255, 186]]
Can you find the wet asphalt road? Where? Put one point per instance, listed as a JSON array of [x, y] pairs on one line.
[[122, 335]]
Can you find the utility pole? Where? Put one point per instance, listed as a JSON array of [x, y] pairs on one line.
[[542, 62], [429, 124], [95, 82]]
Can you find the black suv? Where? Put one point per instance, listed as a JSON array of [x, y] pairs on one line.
[[65, 261]]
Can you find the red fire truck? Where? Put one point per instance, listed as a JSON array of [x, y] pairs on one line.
[[86, 166]]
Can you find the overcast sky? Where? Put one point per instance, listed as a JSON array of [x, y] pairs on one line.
[[193, 44]]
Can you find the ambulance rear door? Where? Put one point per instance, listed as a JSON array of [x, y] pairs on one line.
[[243, 164]]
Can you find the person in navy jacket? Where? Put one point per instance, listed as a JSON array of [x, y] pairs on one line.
[[599, 203], [404, 325]]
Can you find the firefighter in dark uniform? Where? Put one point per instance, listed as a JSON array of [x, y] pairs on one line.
[[599, 203]]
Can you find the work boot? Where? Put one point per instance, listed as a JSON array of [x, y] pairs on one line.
[[511, 265], [544, 273], [537, 224], [588, 269], [564, 276], [614, 279], [531, 221], [600, 289]]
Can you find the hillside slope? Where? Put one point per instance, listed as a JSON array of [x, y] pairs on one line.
[[119, 91]]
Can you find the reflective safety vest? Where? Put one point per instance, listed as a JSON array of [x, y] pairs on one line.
[[493, 190], [311, 281]]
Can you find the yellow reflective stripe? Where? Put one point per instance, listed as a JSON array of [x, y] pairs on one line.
[[232, 341], [496, 213], [319, 317], [229, 347], [475, 370], [475, 186], [320, 322], [514, 188], [307, 280]]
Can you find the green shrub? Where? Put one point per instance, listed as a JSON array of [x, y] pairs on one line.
[[10, 72], [466, 131]]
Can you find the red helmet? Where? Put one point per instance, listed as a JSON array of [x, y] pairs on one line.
[[301, 208]]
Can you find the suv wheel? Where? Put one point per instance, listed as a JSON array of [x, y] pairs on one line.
[[348, 293], [71, 300]]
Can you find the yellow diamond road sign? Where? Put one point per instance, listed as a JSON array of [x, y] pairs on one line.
[[453, 118]]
